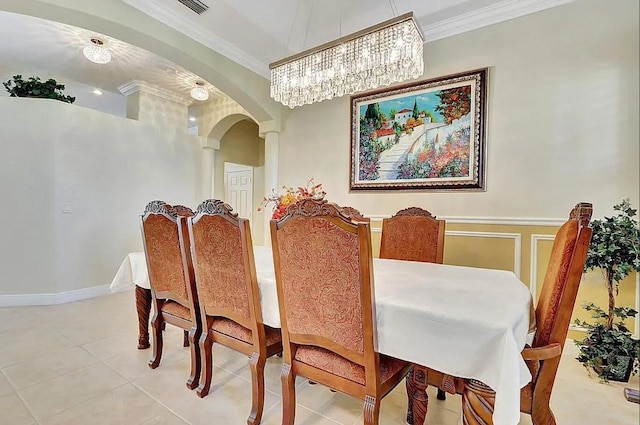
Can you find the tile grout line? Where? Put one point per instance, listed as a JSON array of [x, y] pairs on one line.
[[129, 381], [159, 402], [85, 401], [24, 403]]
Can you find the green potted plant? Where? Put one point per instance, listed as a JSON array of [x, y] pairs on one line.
[[33, 87], [608, 347]]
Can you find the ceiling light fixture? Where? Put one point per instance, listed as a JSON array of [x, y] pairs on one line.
[[97, 92], [192, 119], [96, 53], [377, 56], [199, 92]]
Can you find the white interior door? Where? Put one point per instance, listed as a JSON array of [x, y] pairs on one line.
[[238, 182]]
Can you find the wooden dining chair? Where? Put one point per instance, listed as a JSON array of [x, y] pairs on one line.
[[164, 236], [183, 211], [228, 295], [413, 234], [324, 279], [553, 315]]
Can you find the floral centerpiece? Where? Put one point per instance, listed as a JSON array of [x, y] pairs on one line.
[[280, 202]]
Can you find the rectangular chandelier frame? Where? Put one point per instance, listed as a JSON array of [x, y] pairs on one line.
[[385, 53]]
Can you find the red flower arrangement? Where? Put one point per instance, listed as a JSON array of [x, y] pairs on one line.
[[280, 202]]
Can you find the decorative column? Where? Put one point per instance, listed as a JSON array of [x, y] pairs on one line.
[[271, 133], [208, 167]]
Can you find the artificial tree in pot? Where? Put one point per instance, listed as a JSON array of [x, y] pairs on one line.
[[609, 348]]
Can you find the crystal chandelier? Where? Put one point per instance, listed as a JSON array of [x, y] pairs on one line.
[[199, 92], [383, 54], [96, 53]]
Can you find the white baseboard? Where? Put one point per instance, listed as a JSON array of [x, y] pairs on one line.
[[20, 300]]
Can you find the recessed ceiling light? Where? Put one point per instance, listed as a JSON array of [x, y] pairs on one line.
[[97, 92], [192, 119]]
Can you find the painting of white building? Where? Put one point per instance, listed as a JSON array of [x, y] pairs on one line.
[[402, 116]]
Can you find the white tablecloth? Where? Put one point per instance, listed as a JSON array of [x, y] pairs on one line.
[[132, 271], [463, 321]]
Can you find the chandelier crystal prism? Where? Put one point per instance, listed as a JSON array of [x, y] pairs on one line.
[[96, 53], [383, 54]]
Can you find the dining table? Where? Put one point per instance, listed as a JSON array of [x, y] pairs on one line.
[[466, 322]]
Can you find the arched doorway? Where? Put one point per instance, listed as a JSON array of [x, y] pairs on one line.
[[240, 161]]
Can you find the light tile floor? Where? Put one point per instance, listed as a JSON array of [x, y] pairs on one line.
[[77, 363]]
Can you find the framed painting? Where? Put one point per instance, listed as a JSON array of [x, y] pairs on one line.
[[428, 135]]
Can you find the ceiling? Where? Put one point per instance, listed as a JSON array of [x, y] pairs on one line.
[[57, 48], [255, 33], [252, 33]]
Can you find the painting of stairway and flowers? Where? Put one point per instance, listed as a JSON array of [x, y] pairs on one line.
[[428, 135]]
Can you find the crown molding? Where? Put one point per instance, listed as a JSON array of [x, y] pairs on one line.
[[203, 36], [135, 86], [496, 13]]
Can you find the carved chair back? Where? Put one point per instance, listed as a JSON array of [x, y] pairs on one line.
[[413, 234], [224, 267], [323, 266], [162, 247], [355, 215], [180, 210], [562, 279]]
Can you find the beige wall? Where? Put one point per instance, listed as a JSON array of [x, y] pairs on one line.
[[562, 127], [562, 118], [102, 169], [242, 145]]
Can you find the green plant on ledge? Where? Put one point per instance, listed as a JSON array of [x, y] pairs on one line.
[[33, 87], [608, 348]]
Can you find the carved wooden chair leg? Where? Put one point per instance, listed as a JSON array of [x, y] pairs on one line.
[[143, 307], [477, 403], [371, 410], [256, 365], [288, 395], [206, 365], [196, 359], [156, 327]]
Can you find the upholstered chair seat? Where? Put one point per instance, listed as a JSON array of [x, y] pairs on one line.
[[239, 332], [338, 365], [176, 310]]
